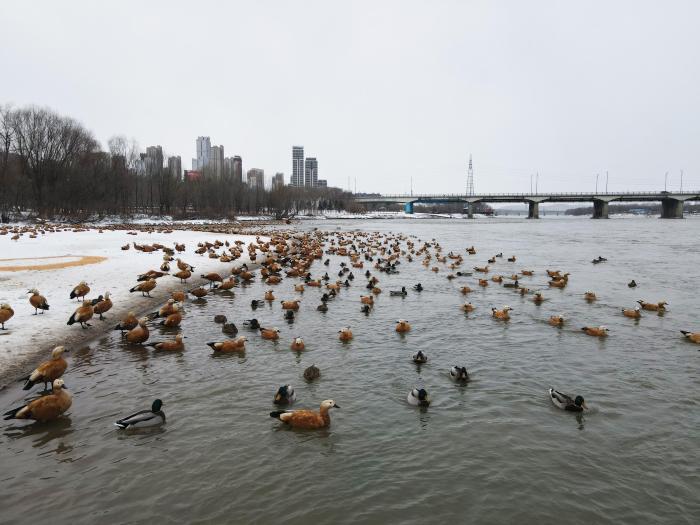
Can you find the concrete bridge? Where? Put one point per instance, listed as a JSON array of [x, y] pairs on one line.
[[671, 202]]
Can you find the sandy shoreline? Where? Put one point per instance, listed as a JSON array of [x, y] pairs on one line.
[[29, 338]]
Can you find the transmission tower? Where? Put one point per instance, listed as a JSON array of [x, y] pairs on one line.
[[470, 178]]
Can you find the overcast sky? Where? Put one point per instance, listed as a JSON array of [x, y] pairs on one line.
[[380, 91]]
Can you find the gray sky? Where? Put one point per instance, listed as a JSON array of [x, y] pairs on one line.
[[381, 91]]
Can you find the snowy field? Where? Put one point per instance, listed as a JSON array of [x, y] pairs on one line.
[[28, 338]]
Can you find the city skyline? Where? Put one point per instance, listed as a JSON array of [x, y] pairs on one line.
[[537, 87]]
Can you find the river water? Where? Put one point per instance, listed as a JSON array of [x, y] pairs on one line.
[[493, 451]]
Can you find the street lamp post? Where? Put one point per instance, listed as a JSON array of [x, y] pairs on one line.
[[596, 182], [666, 181]]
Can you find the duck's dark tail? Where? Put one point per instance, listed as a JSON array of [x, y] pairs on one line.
[[28, 383], [277, 413], [10, 414], [71, 320], [131, 290], [211, 345], [685, 332]]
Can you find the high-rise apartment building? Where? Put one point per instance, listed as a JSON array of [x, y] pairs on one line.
[[203, 150], [256, 179], [278, 181], [175, 167], [237, 170], [311, 172], [216, 161], [297, 166], [153, 161], [322, 183]]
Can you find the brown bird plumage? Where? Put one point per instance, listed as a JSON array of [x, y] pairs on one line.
[[82, 315], [139, 334], [6, 313], [103, 306], [49, 370], [44, 408], [307, 419]]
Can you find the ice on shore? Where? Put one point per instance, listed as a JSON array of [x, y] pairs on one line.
[[29, 336]]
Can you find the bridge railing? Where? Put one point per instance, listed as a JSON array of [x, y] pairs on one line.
[[524, 195]]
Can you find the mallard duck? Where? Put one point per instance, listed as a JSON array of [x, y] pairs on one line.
[[307, 419], [418, 397], [459, 373], [48, 371], [401, 293], [420, 357], [312, 373], [285, 395], [565, 402], [44, 408], [253, 324], [144, 418]]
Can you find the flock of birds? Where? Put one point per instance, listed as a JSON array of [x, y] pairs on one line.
[[288, 255]]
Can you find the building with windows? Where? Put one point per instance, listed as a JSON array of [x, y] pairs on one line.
[[237, 170], [203, 150], [278, 181], [322, 183], [297, 166], [153, 161], [216, 161], [311, 172], [256, 179], [175, 167]]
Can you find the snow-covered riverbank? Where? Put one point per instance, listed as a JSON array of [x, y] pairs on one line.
[[28, 337]]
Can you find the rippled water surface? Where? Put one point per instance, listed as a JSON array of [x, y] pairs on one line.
[[495, 450]]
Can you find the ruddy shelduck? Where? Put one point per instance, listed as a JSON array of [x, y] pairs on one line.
[[38, 301], [596, 331], [229, 345], [634, 313], [297, 344], [6, 313], [503, 313], [49, 370], [403, 326], [172, 345], [82, 315], [44, 408], [693, 337], [307, 419], [139, 334], [556, 320], [653, 307], [345, 334]]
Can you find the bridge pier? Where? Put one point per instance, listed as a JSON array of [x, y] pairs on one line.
[[533, 211], [408, 208], [470, 210], [600, 209], [671, 209]]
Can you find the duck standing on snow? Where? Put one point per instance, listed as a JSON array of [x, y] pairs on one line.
[[103, 305], [6, 313], [82, 315], [565, 402], [48, 371], [80, 291], [285, 395], [44, 408], [38, 301], [418, 397], [307, 419], [145, 418]]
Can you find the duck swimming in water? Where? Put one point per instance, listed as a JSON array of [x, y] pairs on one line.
[[693, 337], [323, 307], [565, 402], [401, 293], [253, 324], [632, 284], [459, 373], [418, 287], [596, 331], [418, 397], [285, 395], [144, 418], [312, 373], [307, 419], [419, 357], [634, 313], [44, 408], [402, 326]]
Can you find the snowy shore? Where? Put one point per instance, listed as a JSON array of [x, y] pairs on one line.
[[28, 338]]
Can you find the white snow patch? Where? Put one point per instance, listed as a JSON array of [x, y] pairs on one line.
[[27, 335]]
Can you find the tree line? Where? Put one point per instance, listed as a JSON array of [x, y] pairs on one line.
[[51, 166]]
